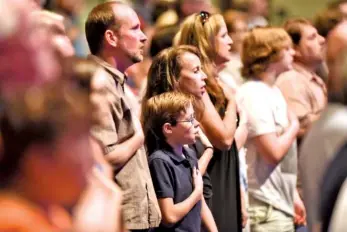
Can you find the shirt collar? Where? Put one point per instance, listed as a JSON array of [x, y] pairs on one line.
[[311, 76], [304, 71], [179, 159], [117, 75]]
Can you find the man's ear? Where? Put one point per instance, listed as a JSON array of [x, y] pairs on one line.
[[297, 51], [167, 129], [111, 38]]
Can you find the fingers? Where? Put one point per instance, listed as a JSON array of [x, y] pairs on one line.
[[299, 220]]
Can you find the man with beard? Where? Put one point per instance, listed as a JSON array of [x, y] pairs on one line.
[[116, 42]]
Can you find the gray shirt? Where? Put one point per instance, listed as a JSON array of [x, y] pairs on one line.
[[325, 138]]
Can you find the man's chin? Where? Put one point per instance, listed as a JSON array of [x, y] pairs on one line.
[[137, 59]]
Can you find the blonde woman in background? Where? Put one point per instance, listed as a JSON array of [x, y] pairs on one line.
[[208, 32]]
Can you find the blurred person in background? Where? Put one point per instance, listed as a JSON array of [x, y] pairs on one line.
[[304, 91], [54, 23], [27, 55], [236, 23], [116, 42], [275, 205], [208, 32], [324, 22], [71, 10], [340, 5], [333, 205], [45, 141], [162, 6], [328, 134], [186, 8], [258, 12]]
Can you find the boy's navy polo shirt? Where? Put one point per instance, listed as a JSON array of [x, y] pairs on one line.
[[172, 178]]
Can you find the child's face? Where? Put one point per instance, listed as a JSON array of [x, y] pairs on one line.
[[186, 129]]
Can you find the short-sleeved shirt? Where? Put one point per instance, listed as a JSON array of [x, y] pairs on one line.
[[140, 205], [172, 178], [304, 91], [269, 183]]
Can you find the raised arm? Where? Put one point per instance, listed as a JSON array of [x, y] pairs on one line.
[[207, 153], [219, 131], [242, 130], [273, 146]]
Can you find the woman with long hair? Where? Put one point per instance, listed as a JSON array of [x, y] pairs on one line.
[[179, 68], [208, 32]]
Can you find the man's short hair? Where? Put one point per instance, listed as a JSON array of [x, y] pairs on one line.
[[261, 47], [294, 28], [326, 20], [336, 4], [100, 19]]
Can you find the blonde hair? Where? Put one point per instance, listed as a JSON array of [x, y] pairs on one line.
[[201, 33], [261, 47], [158, 110]]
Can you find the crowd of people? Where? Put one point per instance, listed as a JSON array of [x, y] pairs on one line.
[[181, 118]]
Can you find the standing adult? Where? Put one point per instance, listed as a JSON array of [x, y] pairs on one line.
[[116, 42], [208, 32], [329, 132], [304, 91]]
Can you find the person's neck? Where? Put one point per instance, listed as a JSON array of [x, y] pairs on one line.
[[268, 77], [220, 67], [237, 50], [114, 61], [309, 67], [177, 148]]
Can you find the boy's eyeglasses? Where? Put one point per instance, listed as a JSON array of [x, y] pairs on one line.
[[191, 120], [204, 16]]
